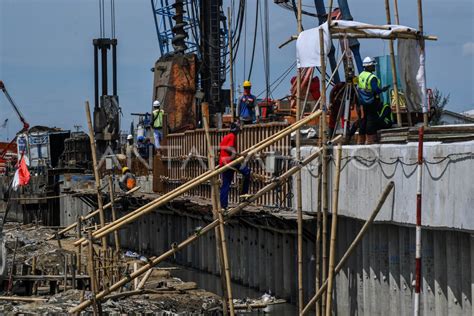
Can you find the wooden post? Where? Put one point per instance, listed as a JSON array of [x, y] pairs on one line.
[[332, 249], [352, 247], [394, 69], [73, 270], [233, 211], [79, 249], [217, 214], [65, 272], [299, 198], [33, 272], [424, 104], [96, 172], [324, 171], [114, 215], [231, 63]]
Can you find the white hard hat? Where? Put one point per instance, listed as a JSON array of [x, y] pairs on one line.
[[369, 61], [129, 137], [156, 103]]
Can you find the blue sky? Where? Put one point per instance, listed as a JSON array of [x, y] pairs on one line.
[[46, 58]]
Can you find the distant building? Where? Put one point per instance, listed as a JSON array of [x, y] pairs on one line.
[[469, 113], [450, 117]]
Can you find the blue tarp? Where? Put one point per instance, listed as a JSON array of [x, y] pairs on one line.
[[384, 72]]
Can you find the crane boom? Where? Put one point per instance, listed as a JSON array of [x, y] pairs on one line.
[[26, 126]]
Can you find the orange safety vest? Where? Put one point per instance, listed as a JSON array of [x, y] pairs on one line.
[[131, 182]]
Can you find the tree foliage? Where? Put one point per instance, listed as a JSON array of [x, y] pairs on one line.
[[438, 102]]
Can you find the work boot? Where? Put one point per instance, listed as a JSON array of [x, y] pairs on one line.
[[371, 139], [360, 139]]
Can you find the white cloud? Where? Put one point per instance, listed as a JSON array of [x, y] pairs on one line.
[[468, 49]]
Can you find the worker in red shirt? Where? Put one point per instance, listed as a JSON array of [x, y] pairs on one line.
[[228, 152]]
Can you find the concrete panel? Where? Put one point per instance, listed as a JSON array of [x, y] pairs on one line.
[[367, 169]]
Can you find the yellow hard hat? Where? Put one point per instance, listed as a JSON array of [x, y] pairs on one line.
[[125, 169], [247, 84]]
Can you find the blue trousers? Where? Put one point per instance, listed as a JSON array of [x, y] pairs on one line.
[[227, 177]]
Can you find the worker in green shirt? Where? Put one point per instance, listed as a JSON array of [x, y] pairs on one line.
[[157, 123]]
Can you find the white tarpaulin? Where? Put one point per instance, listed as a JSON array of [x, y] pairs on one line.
[[307, 44], [366, 28], [307, 47], [411, 68]]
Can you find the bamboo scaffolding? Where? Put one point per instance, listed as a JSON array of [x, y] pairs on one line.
[[221, 243], [94, 213], [332, 248], [114, 215], [394, 68], [233, 211], [324, 189], [96, 172], [352, 247], [245, 155], [299, 198]]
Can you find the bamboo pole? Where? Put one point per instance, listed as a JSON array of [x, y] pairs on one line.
[[422, 63], [23, 299], [233, 211], [94, 213], [395, 7], [144, 279], [324, 174], [299, 198], [217, 214], [132, 216], [93, 280], [352, 247], [79, 249], [329, 16], [231, 62], [318, 231], [96, 172], [114, 215], [394, 68], [332, 249]]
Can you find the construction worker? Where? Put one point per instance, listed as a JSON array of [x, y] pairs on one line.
[[128, 180], [157, 123], [142, 147], [247, 109], [228, 152], [369, 90]]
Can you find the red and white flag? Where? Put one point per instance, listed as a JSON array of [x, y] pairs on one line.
[[22, 174]]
